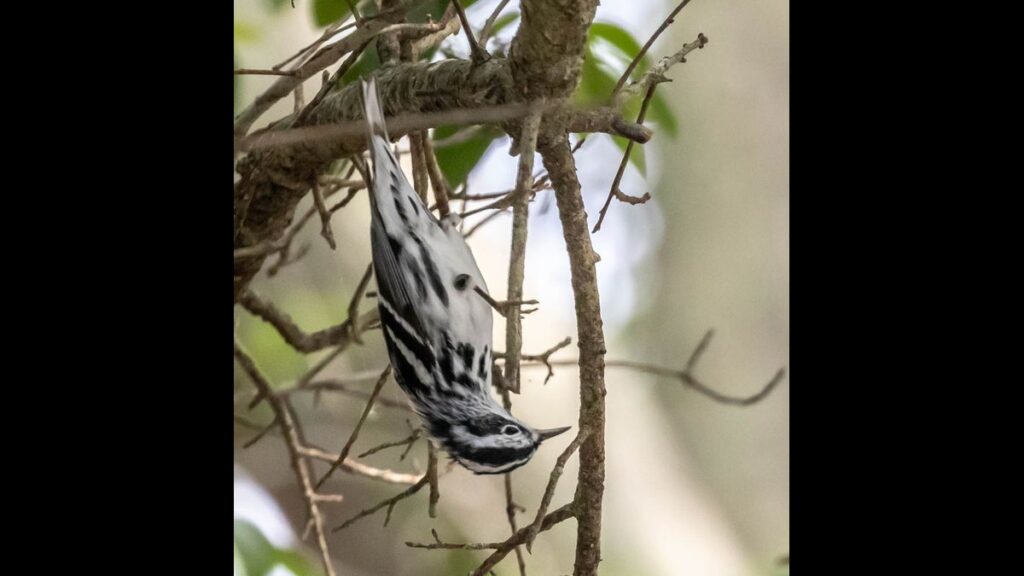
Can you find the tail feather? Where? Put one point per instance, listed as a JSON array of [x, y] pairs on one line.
[[372, 109]]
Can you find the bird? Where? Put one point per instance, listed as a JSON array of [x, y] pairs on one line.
[[437, 329]]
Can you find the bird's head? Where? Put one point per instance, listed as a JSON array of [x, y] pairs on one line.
[[491, 444]]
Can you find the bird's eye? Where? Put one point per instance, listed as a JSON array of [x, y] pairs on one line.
[[510, 430], [461, 281]]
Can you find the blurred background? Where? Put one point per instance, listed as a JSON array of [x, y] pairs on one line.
[[693, 487]]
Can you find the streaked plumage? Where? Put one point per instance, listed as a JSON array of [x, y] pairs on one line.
[[437, 329]]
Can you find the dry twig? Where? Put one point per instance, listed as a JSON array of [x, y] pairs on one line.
[[289, 428], [359, 425]]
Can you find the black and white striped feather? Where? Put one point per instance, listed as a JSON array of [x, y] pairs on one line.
[[437, 329]]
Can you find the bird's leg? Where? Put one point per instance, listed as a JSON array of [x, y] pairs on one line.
[[503, 306]]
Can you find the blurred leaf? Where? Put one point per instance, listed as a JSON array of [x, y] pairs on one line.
[[239, 563], [596, 83], [276, 5], [662, 115], [627, 46], [256, 551], [278, 361], [258, 556], [327, 11], [457, 160], [503, 21], [367, 62], [246, 32], [637, 157]]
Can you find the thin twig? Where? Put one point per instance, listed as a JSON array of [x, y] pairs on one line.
[[341, 386], [330, 82], [510, 504], [549, 492], [687, 377], [356, 467], [614, 191], [647, 45], [289, 428], [339, 335], [517, 257], [563, 513], [543, 357], [325, 216], [264, 72], [439, 545], [419, 163], [437, 180], [353, 305], [435, 495], [359, 425], [485, 33], [478, 54], [389, 503], [486, 220], [403, 442], [506, 199], [656, 75], [321, 60], [504, 307]]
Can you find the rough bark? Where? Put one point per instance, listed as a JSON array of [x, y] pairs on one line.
[[590, 485]]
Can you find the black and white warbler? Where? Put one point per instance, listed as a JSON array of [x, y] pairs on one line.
[[437, 329]]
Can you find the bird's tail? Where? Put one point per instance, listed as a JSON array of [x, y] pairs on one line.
[[372, 110]]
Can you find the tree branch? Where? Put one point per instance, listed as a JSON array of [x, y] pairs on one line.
[[590, 330], [289, 428], [517, 257]]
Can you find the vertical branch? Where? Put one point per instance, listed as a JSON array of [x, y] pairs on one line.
[[590, 486], [435, 495], [510, 503], [517, 259], [437, 179], [419, 163], [286, 420]]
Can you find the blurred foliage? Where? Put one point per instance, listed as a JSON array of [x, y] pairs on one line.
[[502, 22], [278, 361], [256, 556], [457, 160], [327, 11]]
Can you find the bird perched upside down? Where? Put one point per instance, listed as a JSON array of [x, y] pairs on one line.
[[437, 328]]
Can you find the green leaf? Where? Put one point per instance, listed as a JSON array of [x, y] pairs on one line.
[[596, 82], [661, 114], [457, 160], [637, 157], [239, 563], [256, 556], [256, 551], [367, 62], [327, 11], [627, 46]]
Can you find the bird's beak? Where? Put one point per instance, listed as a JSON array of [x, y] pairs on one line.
[[551, 432]]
